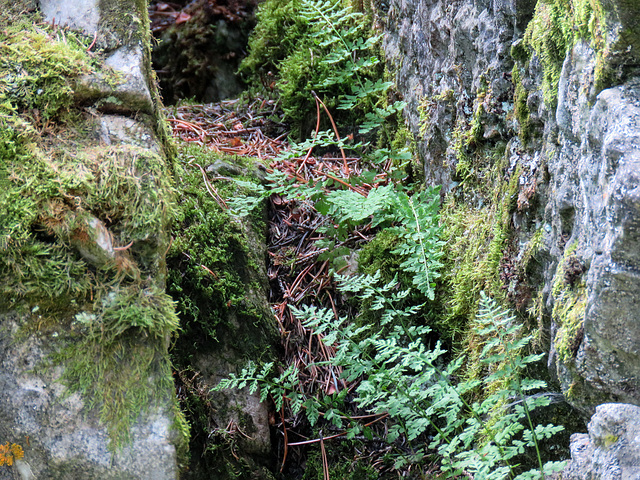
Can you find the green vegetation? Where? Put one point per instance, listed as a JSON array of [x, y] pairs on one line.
[[216, 274], [555, 28], [65, 203], [116, 356], [216, 270], [570, 300], [309, 46], [401, 376]]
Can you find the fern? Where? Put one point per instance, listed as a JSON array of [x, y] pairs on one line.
[[422, 247], [398, 374]]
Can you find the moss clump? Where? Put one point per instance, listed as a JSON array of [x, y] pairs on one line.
[[215, 268], [324, 47], [555, 28], [60, 189], [24, 55], [520, 107], [570, 301], [217, 275]]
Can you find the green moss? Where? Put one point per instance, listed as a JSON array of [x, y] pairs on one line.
[[570, 301], [521, 109], [122, 25], [116, 356], [24, 55], [475, 240], [555, 28], [214, 263], [115, 317], [217, 276]]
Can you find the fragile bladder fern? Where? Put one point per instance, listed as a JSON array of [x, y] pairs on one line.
[[397, 373]]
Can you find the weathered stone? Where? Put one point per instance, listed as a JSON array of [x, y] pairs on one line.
[[117, 129], [61, 435], [594, 203], [76, 14], [611, 450], [93, 235], [577, 163], [443, 53], [124, 91]]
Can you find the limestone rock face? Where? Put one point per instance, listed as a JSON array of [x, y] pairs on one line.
[[611, 449], [443, 52], [491, 95], [594, 202]]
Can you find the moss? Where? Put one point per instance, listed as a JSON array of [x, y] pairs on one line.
[[555, 28], [55, 181], [476, 239], [122, 25], [116, 356], [340, 468], [217, 276], [214, 264], [520, 108], [24, 54], [570, 300]]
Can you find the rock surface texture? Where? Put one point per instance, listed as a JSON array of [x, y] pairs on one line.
[[85, 389], [530, 111], [611, 449]]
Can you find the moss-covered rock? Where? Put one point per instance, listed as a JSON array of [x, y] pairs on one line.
[[217, 274], [84, 221]]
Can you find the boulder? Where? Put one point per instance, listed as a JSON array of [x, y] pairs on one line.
[[611, 449]]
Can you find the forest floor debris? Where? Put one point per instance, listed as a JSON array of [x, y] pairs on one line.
[[297, 269]]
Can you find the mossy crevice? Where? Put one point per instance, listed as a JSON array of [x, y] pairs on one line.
[[217, 274], [569, 305]]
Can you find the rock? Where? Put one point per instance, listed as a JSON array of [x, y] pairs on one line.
[[93, 241], [85, 383], [125, 91], [62, 438], [76, 14], [573, 146], [611, 450], [595, 205]]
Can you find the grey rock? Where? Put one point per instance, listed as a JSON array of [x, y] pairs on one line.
[[77, 14], [123, 89], [118, 129], [443, 53], [595, 205], [60, 429], [611, 450], [96, 242], [450, 58], [65, 440]]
